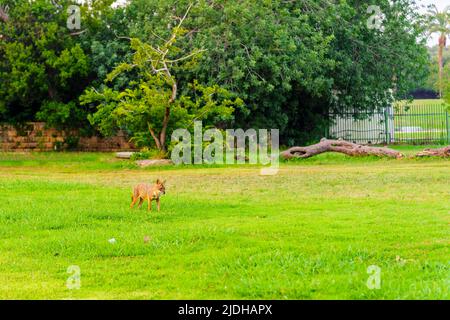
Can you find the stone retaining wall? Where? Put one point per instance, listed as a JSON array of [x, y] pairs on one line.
[[34, 136]]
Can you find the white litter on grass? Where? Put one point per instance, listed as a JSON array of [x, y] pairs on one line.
[[112, 240]]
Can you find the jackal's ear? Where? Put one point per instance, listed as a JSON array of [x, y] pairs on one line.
[[158, 181]]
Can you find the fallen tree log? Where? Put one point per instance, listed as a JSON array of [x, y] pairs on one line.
[[154, 162], [440, 152], [341, 146]]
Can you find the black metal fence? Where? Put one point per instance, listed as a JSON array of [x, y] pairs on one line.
[[403, 123]]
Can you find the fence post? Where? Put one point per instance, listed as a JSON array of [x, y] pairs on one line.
[[386, 125], [447, 125]]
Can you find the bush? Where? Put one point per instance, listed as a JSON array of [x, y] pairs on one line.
[[146, 153], [446, 91], [71, 142], [62, 116]]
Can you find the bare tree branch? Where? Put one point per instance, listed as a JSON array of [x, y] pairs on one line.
[[440, 152], [187, 56], [78, 32], [4, 13]]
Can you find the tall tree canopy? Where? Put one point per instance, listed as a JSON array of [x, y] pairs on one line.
[[153, 104], [439, 22], [292, 62], [45, 66]]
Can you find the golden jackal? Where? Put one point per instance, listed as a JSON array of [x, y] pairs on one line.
[[144, 191]]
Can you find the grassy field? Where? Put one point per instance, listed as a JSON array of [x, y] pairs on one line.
[[421, 102], [309, 232], [427, 119]]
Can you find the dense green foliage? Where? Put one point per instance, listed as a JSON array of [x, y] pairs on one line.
[[446, 92], [152, 104], [439, 22], [45, 67], [291, 62], [432, 81], [41, 63]]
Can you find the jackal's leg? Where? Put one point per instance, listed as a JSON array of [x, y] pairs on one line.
[[149, 207], [157, 202], [133, 201], [140, 202]]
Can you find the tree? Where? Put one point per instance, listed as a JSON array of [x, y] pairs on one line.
[[432, 81], [292, 62], [446, 86], [439, 22], [41, 62], [153, 100], [44, 66], [295, 61]]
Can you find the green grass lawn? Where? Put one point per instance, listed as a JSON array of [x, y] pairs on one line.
[[421, 102], [427, 114], [309, 232], [421, 120]]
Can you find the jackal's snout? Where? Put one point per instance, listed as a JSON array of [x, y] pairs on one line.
[[161, 187]]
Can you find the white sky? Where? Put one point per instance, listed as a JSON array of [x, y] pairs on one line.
[[440, 4]]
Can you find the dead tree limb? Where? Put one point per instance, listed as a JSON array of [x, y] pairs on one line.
[[341, 146], [440, 152], [4, 13]]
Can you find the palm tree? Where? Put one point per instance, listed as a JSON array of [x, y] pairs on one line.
[[439, 21]]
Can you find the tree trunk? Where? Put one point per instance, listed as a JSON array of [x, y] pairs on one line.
[[163, 133], [155, 138], [165, 124], [440, 152], [341, 146], [161, 140], [442, 40]]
